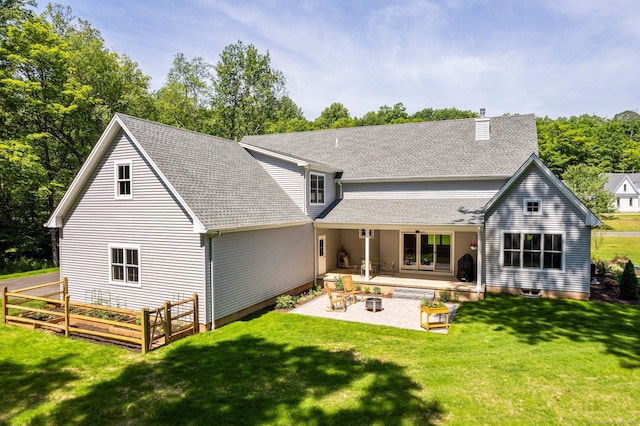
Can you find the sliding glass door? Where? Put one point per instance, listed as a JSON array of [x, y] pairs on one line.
[[426, 252]]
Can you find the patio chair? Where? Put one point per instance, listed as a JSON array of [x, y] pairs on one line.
[[388, 269], [348, 265], [350, 288], [335, 300]]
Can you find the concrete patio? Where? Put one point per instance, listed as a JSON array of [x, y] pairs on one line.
[[396, 312]]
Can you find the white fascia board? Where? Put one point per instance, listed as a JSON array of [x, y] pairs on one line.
[[198, 227], [293, 160], [590, 219], [424, 179], [404, 227], [626, 179], [288, 159], [258, 227], [114, 126]]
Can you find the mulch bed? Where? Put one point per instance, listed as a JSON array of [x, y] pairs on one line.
[[600, 293]]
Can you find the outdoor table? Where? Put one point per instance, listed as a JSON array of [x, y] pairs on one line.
[[444, 310]]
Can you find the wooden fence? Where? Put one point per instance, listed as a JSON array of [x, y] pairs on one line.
[[53, 310]]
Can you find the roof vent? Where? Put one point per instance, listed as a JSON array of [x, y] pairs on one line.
[[482, 127]]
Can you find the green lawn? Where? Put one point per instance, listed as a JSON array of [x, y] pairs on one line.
[[623, 222], [29, 273], [607, 248], [506, 360]]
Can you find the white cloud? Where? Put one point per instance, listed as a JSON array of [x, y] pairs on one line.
[[556, 58]]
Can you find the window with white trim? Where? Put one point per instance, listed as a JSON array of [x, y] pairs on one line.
[[316, 194], [123, 180], [125, 264], [532, 250], [532, 207]]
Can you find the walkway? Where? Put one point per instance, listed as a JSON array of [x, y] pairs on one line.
[[31, 280], [396, 312]]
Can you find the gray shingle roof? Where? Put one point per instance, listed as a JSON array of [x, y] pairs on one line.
[[219, 180], [613, 180], [467, 211], [437, 149]]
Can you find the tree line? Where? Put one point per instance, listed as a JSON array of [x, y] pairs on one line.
[[60, 86]]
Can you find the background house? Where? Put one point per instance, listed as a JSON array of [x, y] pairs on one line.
[[626, 188]]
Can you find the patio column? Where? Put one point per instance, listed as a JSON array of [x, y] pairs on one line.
[[366, 256]]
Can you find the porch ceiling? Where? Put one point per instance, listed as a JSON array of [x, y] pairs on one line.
[[440, 211]]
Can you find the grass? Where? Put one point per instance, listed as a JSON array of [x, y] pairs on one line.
[[29, 273], [607, 248], [623, 222], [506, 360]]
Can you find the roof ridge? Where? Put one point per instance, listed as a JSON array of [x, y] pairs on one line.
[[155, 123]]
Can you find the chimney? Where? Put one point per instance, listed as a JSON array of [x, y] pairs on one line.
[[482, 126]]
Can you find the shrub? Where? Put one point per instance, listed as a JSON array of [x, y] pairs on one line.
[[367, 290], [628, 283], [377, 290], [601, 267], [338, 283], [286, 301]]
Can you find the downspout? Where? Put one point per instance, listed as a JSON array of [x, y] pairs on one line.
[[479, 261], [213, 304]]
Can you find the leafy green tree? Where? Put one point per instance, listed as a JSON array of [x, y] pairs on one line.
[[247, 92], [385, 115], [430, 114], [587, 183], [629, 282], [185, 98], [334, 116], [288, 118], [58, 88]]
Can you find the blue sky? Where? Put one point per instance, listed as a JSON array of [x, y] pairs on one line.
[[549, 57]]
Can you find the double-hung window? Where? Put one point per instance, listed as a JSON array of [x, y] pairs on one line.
[[125, 264], [532, 250], [316, 194], [123, 181]]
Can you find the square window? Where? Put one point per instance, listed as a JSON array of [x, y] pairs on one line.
[[532, 207]]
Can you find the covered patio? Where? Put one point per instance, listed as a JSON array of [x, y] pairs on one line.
[[415, 243]]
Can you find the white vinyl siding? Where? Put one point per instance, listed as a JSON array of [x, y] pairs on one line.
[[421, 190], [558, 216], [172, 260], [289, 176], [252, 266]]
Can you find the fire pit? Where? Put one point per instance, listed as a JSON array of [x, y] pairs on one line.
[[373, 304]]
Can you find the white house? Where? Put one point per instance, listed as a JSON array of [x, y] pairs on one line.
[[626, 188], [159, 213]]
